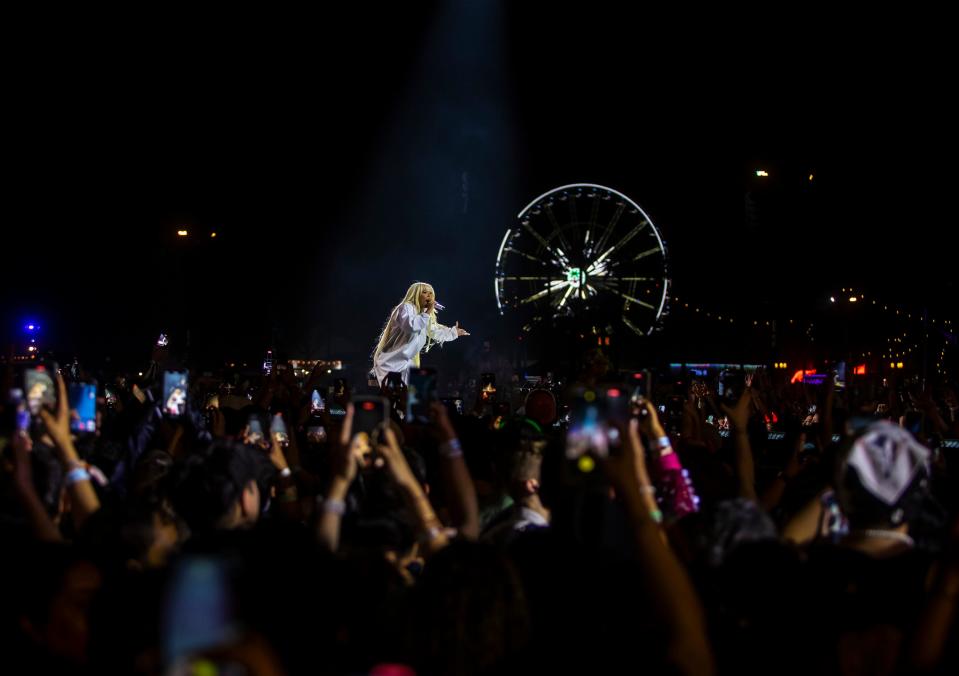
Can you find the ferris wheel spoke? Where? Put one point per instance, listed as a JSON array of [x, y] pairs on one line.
[[637, 301], [560, 256], [552, 287], [594, 211], [633, 326], [532, 257], [609, 228], [562, 301], [515, 278], [574, 224], [648, 252], [619, 245], [632, 233], [557, 228]]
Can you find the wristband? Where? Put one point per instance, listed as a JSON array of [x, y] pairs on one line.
[[77, 474], [451, 449], [656, 515], [431, 534], [663, 442], [335, 506]]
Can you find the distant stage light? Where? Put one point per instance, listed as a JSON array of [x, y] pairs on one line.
[[832, 299], [182, 233], [762, 173], [852, 299]]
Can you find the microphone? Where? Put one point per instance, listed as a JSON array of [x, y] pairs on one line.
[[438, 306]]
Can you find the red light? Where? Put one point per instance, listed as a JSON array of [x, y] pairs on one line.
[[859, 370], [41, 368], [612, 392], [799, 375], [368, 406], [637, 376]]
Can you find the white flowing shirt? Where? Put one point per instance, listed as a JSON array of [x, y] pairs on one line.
[[407, 332]]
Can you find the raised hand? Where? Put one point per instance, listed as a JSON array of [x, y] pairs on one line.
[[442, 427], [344, 454], [459, 331], [58, 423], [649, 423], [739, 414]]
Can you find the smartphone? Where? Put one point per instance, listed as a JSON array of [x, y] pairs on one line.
[[593, 424], [421, 393], [370, 416], [316, 402], [163, 341], [174, 393], [21, 418], [254, 430], [109, 396], [316, 434], [732, 384], [834, 522], [198, 609], [278, 430], [268, 363], [39, 388], [83, 407]]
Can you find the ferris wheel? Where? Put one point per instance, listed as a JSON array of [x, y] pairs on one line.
[[583, 251]]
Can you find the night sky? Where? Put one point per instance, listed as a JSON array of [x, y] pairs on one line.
[[340, 160]]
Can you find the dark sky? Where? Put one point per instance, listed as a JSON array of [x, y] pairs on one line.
[[339, 159]]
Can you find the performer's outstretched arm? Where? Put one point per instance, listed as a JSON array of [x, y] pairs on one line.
[[442, 334]]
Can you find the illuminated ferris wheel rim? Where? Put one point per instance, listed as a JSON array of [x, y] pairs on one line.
[[612, 191]]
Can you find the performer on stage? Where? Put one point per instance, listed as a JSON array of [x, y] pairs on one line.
[[411, 328]]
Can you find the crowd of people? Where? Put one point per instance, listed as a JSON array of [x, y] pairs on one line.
[[260, 525]]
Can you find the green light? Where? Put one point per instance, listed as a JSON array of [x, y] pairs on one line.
[[575, 277]]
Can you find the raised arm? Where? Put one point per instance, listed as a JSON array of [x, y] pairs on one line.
[[739, 421], [664, 579], [429, 527], [344, 471], [40, 522], [460, 492], [84, 501]]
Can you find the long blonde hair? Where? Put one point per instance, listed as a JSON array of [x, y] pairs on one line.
[[391, 336]]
